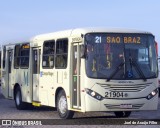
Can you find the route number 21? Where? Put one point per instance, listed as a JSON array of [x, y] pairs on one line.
[[98, 39]]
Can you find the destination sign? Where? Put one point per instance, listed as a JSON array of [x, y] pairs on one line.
[[118, 39], [25, 46]]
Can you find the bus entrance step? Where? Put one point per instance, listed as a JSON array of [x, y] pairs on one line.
[[34, 103]]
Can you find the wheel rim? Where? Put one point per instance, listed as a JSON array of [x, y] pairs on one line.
[[18, 98], [62, 104]]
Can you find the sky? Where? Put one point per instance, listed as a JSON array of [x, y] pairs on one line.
[[20, 20]]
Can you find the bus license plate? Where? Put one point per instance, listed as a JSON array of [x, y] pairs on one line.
[[125, 106], [114, 94]]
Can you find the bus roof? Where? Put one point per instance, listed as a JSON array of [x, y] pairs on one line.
[[79, 31]]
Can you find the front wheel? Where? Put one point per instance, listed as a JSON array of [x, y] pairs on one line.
[[120, 114], [18, 99], [62, 107]]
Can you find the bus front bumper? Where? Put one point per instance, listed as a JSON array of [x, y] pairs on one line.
[[92, 104]]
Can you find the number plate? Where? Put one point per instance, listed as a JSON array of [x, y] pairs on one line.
[[114, 94], [125, 106]]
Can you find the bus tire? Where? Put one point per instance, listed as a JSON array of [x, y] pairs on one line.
[[62, 106], [18, 99], [120, 114]]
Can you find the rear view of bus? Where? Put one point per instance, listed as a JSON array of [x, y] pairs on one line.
[[121, 71]]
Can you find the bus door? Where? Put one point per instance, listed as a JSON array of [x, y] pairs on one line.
[[36, 71], [9, 72], [76, 76]]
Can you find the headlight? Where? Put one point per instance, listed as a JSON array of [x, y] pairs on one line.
[[93, 94], [152, 94]]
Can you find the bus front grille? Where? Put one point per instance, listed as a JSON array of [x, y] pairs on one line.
[[125, 88]]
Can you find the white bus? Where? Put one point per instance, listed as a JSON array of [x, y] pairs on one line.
[[84, 70]]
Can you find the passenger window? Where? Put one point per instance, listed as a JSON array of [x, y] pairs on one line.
[[48, 54], [24, 56], [4, 56], [21, 55], [16, 56], [61, 53]]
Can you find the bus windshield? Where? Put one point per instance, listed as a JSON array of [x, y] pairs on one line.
[[120, 56]]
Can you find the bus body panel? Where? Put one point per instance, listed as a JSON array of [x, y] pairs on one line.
[[6, 78]]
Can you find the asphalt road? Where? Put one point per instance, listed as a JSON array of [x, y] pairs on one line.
[[95, 119]]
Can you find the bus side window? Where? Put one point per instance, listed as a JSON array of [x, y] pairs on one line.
[[61, 53], [24, 55], [4, 56], [0, 59], [16, 56], [48, 54]]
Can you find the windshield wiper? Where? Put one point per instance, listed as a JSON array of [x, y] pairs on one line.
[[133, 63], [116, 71], [138, 69]]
